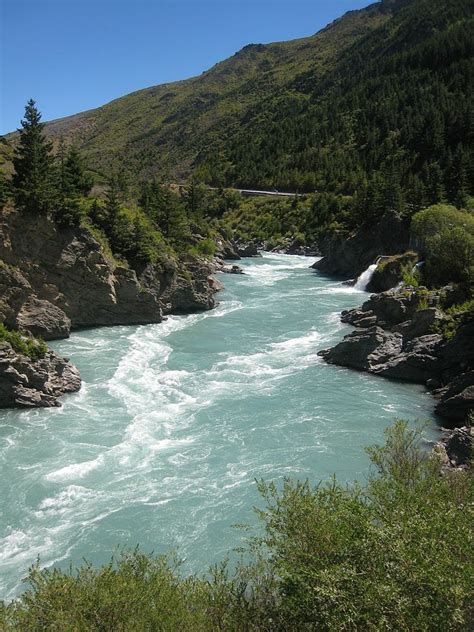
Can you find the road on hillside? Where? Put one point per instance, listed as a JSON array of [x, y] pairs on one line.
[[274, 192]]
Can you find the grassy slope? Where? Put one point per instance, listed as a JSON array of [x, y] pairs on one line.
[[165, 127]]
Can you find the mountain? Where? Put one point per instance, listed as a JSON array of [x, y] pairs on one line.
[[379, 103], [169, 127]]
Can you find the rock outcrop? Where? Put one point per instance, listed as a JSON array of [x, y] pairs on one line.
[[396, 337], [456, 449], [56, 279], [247, 249], [349, 255], [457, 398], [389, 271], [28, 383], [191, 289]]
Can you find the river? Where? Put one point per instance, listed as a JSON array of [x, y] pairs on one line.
[[175, 422]]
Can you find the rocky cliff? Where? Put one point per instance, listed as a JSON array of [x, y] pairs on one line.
[[349, 255], [56, 279]]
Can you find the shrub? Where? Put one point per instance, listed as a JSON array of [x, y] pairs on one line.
[[410, 275], [450, 256], [206, 248], [446, 237], [34, 348]]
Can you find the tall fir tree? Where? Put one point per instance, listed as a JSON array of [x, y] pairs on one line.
[[4, 190], [33, 180], [77, 179]]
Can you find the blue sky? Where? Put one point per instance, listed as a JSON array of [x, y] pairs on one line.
[[73, 55]]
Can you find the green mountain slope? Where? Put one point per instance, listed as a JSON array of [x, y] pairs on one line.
[[377, 105], [167, 128]]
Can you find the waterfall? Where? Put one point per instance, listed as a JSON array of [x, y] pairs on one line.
[[364, 279]]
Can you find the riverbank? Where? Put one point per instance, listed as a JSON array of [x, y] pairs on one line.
[[418, 336]]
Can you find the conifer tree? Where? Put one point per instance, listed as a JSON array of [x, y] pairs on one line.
[[33, 185], [4, 190], [76, 177]]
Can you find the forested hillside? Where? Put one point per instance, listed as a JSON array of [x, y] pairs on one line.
[[378, 105], [373, 114], [166, 128]]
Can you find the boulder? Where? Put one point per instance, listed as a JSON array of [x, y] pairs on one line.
[[27, 383], [457, 448], [423, 322], [364, 349], [457, 399], [416, 361], [247, 249], [42, 318], [226, 249], [191, 289], [233, 270]]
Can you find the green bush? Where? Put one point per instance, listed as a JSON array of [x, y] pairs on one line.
[[395, 554], [450, 256], [438, 218], [34, 348], [206, 248], [445, 235]]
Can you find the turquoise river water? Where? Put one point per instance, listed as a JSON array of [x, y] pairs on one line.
[[175, 422]]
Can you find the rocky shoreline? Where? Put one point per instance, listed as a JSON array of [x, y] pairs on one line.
[[396, 337]]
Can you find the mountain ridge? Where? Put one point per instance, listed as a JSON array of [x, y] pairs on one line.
[[221, 93]]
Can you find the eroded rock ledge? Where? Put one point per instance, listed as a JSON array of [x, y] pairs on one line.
[[395, 337], [53, 280]]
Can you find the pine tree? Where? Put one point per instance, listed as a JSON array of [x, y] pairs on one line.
[[112, 208], [77, 180], [33, 181], [4, 190]]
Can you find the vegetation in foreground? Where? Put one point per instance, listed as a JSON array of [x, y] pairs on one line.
[[395, 554]]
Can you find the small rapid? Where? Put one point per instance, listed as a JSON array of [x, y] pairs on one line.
[[176, 421], [365, 278]]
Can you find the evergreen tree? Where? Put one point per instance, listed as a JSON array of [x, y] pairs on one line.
[[33, 182], [4, 190], [78, 180], [112, 208]]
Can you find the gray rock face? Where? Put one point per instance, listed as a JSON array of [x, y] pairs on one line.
[[388, 273], [364, 350], [28, 383], [226, 249], [457, 399], [416, 361], [457, 448], [395, 339], [421, 323], [42, 318], [58, 279], [68, 281], [247, 249], [191, 290]]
